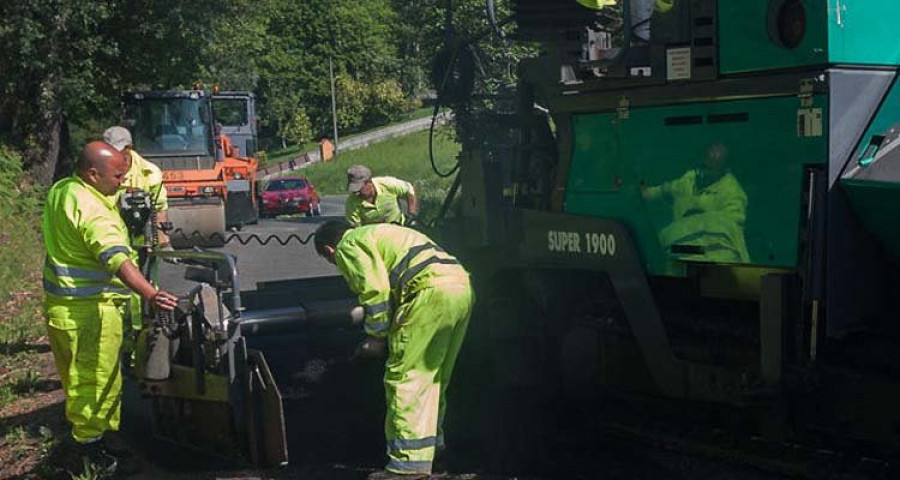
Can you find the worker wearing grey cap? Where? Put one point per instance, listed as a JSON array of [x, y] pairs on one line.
[[374, 199], [141, 175]]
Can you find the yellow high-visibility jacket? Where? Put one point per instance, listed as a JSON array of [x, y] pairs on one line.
[[146, 176], [711, 217], [385, 209], [86, 242], [386, 265]]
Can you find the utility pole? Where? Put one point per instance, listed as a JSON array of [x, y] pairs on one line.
[[333, 104]]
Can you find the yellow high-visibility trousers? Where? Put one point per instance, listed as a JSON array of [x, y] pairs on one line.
[[429, 331], [85, 337]]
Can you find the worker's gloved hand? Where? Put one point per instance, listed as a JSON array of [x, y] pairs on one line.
[[371, 347], [357, 315], [411, 221]]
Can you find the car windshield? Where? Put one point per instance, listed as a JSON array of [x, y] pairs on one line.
[[293, 184]]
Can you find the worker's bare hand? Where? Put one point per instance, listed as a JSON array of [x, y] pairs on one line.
[[164, 301]]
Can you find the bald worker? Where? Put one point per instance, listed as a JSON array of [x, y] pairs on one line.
[[88, 278]]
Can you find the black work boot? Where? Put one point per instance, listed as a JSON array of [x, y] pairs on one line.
[[116, 445], [95, 459], [385, 475]]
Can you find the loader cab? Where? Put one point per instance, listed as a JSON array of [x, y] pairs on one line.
[[170, 124], [236, 112]]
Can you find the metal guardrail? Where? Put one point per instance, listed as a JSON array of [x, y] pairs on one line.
[[352, 143], [294, 163]]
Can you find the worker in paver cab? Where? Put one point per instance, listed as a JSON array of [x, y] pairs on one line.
[[374, 199], [88, 278], [641, 11], [417, 300]]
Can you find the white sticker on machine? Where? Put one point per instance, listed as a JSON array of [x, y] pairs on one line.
[[678, 63], [809, 122]]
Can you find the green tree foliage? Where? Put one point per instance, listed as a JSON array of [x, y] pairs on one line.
[[67, 61], [304, 36], [299, 130], [50, 68], [384, 101], [352, 104]]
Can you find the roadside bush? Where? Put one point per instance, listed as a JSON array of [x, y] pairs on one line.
[[20, 244], [351, 102], [299, 130], [385, 103]]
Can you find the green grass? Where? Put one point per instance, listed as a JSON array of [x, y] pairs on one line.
[[274, 156], [21, 258], [403, 157]]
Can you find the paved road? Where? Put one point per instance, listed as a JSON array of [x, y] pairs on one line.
[[271, 262], [334, 421]]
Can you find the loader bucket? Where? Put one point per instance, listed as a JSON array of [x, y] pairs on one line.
[[199, 224]]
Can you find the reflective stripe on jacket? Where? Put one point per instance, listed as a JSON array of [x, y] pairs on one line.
[[385, 209], [86, 242], [386, 265]]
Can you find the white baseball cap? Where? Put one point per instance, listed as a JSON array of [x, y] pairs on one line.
[[118, 137]]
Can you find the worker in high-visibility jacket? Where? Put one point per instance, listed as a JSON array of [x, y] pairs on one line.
[[417, 300], [709, 208], [143, 175], [374, 199], [88, 276]]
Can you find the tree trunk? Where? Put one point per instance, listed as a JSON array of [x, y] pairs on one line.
[[42, 163], [65, 164]]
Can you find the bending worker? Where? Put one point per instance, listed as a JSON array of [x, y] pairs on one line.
[[88, 276], [374, 200], [418, 301]]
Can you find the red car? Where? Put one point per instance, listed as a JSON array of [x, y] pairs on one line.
[[288, 195]]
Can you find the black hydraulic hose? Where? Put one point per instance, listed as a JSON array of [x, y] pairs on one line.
[[448, 200], [197, 237]]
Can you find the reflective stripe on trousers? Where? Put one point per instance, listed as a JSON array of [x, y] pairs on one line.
[[423, 352], [85, 338]]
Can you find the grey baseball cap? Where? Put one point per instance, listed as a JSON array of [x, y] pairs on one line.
[[118, 137], [357, 176]]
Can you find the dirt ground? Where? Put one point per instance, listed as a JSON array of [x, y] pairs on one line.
[[34, 444]]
